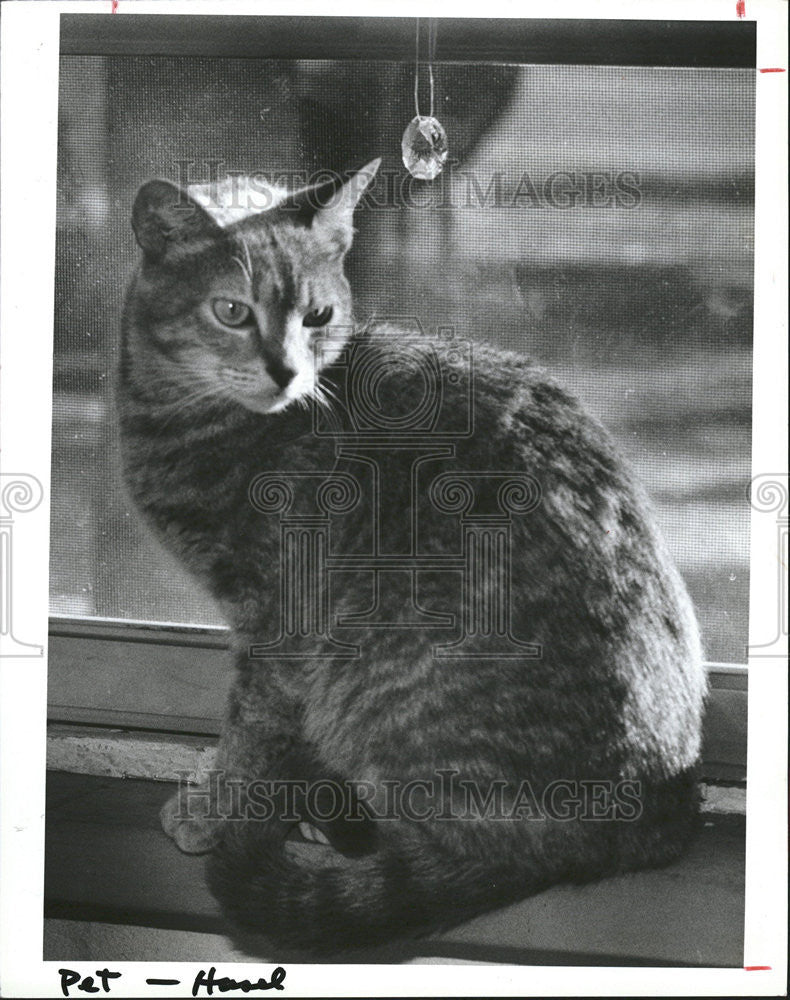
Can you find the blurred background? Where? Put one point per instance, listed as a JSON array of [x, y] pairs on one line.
[[641, 303]]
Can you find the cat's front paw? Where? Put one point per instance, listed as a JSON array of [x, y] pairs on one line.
[[193, 835]]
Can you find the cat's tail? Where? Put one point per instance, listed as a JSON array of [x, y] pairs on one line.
[[322, 901], [413, 878]]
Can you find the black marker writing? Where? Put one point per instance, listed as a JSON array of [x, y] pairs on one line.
[[68, 977], [209, 982]]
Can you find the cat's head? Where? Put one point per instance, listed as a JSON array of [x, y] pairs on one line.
[[229, 302]]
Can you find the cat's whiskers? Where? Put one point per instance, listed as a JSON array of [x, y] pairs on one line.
[[149, 383], [326, 391], [247, 255], [325, 397], [176, 406], [246, 264], [303, 402], [247, 274], [206, 391], [321, 398]]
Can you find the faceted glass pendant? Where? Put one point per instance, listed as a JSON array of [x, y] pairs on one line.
[[424, 147]]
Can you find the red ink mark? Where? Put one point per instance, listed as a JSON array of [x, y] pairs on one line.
[[740, 8], [773, 69], [757, 968], [114, 6]]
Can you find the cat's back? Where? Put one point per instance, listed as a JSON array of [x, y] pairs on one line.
[[576, 621], [510, 442], [502, 411], [588, 562]]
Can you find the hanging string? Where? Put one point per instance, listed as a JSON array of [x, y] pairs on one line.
[[424, 142], [431, 55]]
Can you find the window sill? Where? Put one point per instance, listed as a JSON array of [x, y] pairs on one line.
[[108, 862], [175, 679]]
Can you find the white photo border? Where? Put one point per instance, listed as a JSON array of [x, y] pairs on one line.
[[30, 63]]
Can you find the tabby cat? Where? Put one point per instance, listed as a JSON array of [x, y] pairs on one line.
[[487, 678]]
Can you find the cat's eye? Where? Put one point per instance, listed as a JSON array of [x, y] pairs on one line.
[[318, 317], [231, 313]]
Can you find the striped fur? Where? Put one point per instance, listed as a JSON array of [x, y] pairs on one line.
[[617, 693]]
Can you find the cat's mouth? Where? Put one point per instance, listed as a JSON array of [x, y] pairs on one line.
[[275, 400], [268, 403]]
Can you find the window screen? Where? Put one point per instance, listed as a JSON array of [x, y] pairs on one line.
[[596, 218]]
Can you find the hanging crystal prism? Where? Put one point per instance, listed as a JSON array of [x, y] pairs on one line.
[[424, 147], [424, 143]]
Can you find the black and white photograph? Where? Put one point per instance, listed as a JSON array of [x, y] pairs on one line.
[[407, 508]]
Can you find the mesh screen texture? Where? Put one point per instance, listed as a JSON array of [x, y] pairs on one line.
[[597, 218]]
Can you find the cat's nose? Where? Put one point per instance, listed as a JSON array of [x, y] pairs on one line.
[[280, 373]]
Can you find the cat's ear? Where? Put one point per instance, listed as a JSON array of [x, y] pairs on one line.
[[328, 208], [164, 215]]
